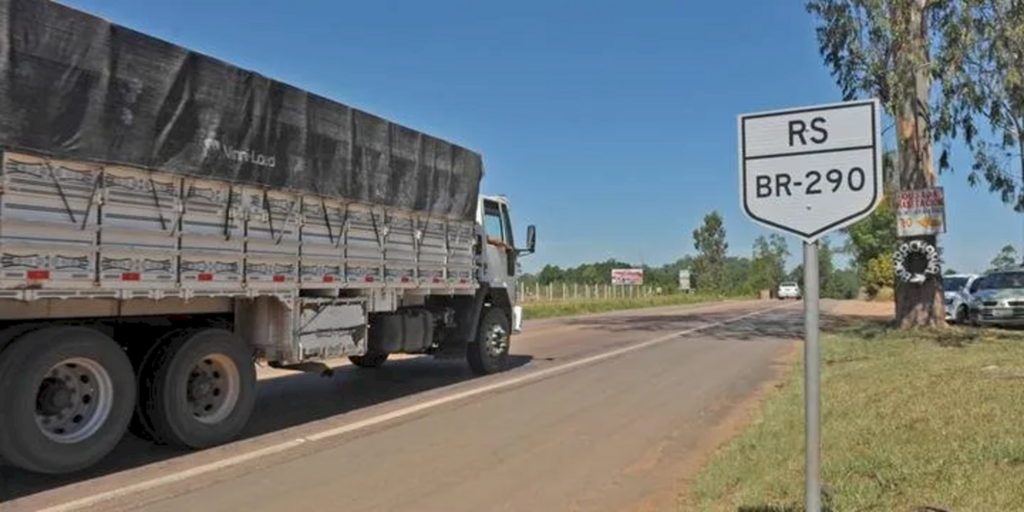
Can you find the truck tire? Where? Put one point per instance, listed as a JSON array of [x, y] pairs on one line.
[[67, 397], [198, 389], [369, 360], [489, 352]]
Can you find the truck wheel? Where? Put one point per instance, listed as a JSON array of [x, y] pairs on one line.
[[489, 352], [369, 360], [199, 389], [67, 397]]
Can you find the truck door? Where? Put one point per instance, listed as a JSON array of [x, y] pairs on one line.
[[500, 250]]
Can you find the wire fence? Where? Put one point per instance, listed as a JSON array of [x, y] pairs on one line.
[[552, 292]]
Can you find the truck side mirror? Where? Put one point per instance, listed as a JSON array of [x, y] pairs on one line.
[[531, 239]]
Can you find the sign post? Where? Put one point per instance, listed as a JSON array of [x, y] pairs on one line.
[[807, 172]]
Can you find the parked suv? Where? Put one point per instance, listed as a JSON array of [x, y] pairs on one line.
[[788, 290]]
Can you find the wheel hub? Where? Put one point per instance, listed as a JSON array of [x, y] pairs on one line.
[[497, 340], [200, 386], [74, 400], [213, 388], [54, 397]]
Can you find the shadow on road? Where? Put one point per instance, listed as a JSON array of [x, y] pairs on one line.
[[283, 402], [782, 324]]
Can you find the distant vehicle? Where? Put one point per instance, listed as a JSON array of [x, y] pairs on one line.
[[998, 298], [956, 289], [788, 290]]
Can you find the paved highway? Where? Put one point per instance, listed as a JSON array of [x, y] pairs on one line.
[[607, 412]]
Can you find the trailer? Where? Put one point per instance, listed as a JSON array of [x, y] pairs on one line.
[[167, 220]]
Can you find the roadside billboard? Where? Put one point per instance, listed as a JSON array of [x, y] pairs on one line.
[[920, 212], [627, 276]]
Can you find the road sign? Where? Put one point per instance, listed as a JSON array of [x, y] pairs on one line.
[[808, 171], [684, 280], [920, 212], [811, 170]]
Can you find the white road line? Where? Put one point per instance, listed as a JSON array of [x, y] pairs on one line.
[[147, 485]]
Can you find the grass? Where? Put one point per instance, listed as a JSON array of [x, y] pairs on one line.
[[550, 309], [910, 421]]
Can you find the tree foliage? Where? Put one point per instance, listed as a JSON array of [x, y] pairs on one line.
[[1006, 258], [730, 275], [876, 235], [976, 60], [709, 266], [665, 276], [768, 265], [980, 66]]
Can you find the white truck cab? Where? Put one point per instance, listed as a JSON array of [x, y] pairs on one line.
[[501, 262]]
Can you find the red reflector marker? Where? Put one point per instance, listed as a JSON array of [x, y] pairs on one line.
[[38, 274], [278, 279], [369, 279], [328, 279], [131, 276], [205, 276]]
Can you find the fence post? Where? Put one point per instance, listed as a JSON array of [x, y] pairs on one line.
[[551, 291], [537, 295], [575, 291]]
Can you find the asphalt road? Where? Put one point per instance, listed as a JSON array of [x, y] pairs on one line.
[[607, 412]]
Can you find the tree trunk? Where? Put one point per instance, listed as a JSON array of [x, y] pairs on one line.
[[917, 305]]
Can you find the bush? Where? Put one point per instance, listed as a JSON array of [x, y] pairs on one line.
[[879, 274], [885, 293]]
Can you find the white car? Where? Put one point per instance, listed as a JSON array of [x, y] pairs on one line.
[[956, 289], [788, 290]]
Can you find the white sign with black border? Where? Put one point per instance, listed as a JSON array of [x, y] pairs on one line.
[[811, 170], [808, 171]]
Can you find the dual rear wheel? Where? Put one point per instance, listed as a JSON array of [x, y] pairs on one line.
[[69, 394]]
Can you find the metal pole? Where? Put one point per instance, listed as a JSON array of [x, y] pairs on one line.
[[812, 379]]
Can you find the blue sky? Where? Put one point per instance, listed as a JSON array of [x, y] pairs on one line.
[[610, 125]]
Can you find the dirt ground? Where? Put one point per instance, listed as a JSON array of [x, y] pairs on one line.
[[860, 308]]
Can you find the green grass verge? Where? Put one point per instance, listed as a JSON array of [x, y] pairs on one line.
[[550, 309], [909, 420]]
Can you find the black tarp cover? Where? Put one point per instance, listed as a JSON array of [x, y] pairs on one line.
[[74, 86]]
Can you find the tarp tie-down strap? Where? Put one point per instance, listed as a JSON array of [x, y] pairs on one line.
[[60, 192], [327, 221], [92, 199], [156, 201]]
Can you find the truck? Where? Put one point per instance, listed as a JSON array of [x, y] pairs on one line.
[[168, 221]]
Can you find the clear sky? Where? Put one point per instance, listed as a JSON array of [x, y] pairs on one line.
[[610, 125]]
